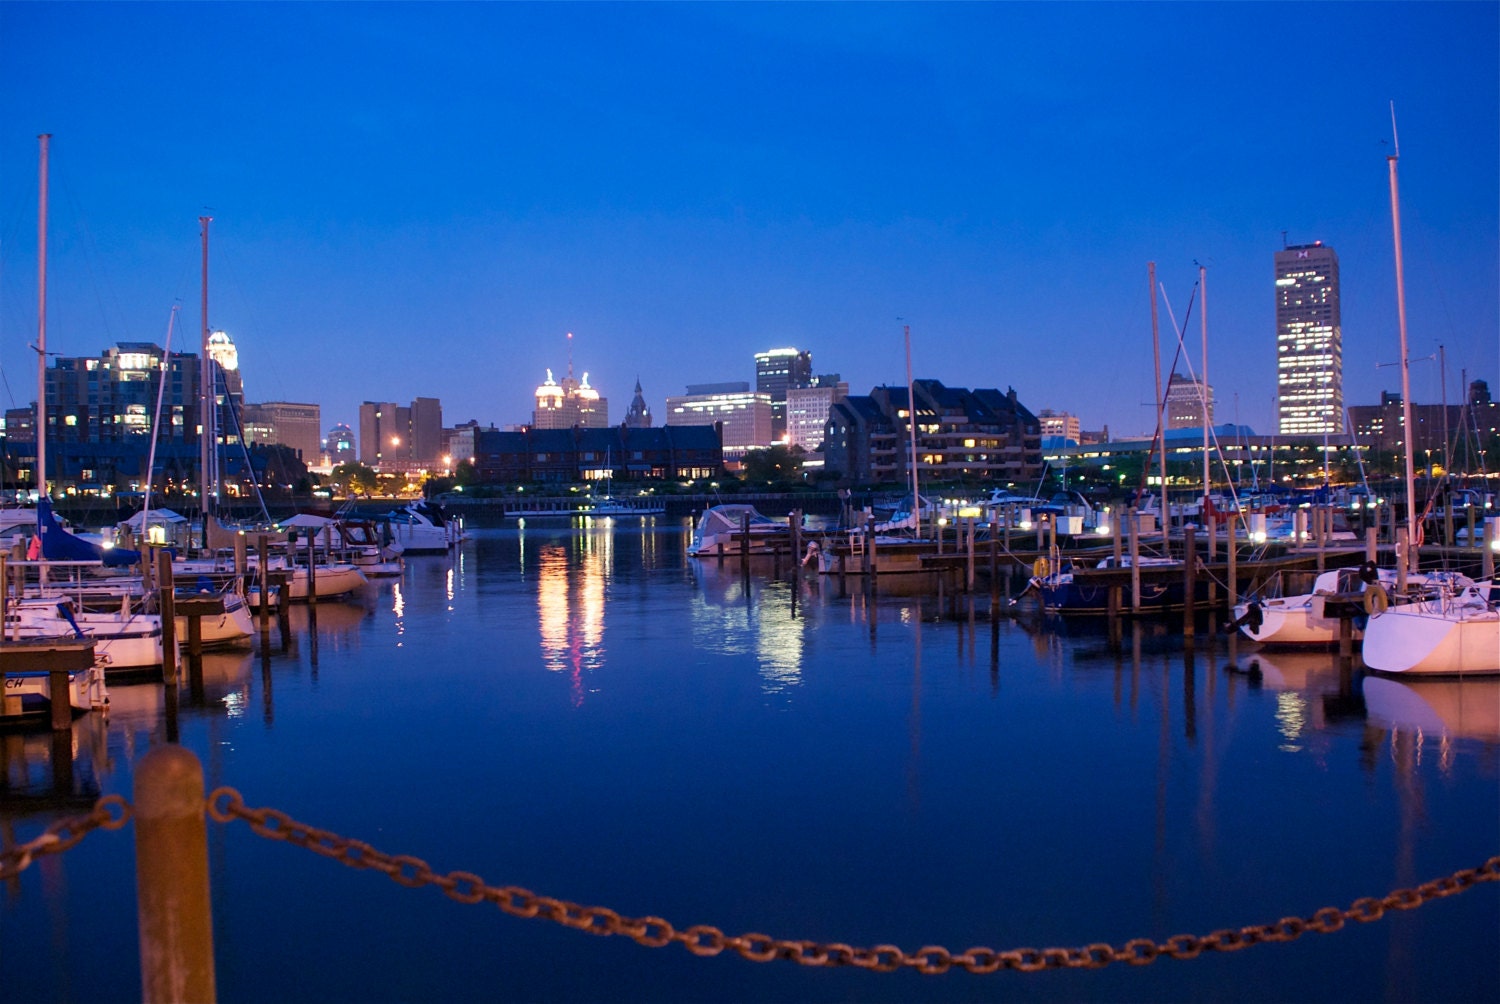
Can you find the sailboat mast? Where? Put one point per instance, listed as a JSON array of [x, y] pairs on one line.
[[1406, 427], [208, 485], [1166, 514], [911, 424], [41, 323], [1203, 385]]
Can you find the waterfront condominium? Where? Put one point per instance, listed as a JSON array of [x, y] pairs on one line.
[[1309, 342]]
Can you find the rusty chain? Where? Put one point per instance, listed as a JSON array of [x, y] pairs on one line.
[[109, 813], [226, 805]]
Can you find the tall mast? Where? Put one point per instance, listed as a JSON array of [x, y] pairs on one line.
[[1406, 431], [208, 486], [41, 324], [1203, 386], [911, 424], [1166, 514]]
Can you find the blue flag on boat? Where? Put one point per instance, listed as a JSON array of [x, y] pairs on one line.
[[60, 545]]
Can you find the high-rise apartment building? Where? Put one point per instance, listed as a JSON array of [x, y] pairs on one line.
[[777, 371], [1059, 425], [807, 410], [1309, 341], [392, 437]]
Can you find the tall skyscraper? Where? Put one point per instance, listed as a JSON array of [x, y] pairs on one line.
[[1309, 341], [776, 371]]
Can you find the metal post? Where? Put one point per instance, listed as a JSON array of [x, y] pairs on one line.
[[171, 871]]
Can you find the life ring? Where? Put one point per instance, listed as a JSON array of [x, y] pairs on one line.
[[1040, 568], [1376, 599]]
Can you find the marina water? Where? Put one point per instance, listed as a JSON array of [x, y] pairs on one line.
[[581, 710]]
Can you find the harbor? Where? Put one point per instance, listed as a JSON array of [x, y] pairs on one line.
[[582, 711]]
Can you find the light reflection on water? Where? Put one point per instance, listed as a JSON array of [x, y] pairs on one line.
[[580, 710]]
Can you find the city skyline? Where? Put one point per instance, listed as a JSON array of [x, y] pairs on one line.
[[683, 186]]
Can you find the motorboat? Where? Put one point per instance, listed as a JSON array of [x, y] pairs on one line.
[[421, 528], [1066, 588], [27, 691], [722, 529]]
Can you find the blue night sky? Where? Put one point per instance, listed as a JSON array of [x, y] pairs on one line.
[[421, 200]]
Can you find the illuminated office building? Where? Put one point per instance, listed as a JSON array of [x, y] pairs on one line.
[[1309, 342]]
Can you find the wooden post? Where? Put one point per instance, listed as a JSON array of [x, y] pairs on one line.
[[1487, 558], [745, 544], [1232, 550], [1117, 531], [312, 572], [263, 562], [4, 595], [166, 606], [1346, 637], [241, 562], [969, 573], [1448, 522], [1372, 544], [795, 519], [994, 564], [1189, 579], [1471, 538], [1325, 522], [1135, 560], [171, 872], [57, 693]]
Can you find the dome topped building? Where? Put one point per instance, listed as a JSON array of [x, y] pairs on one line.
[[569, 403]]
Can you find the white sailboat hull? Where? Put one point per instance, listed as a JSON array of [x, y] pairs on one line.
[[1434, 638]]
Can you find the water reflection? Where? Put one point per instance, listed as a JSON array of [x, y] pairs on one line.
[[570, 609], [727, 620], [1436, 708]]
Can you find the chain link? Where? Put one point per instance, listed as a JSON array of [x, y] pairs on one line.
[[226, 805], [109, 813]]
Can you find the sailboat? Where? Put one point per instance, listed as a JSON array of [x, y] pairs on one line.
[[1456, 632], [124, 639], [608, 505]]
